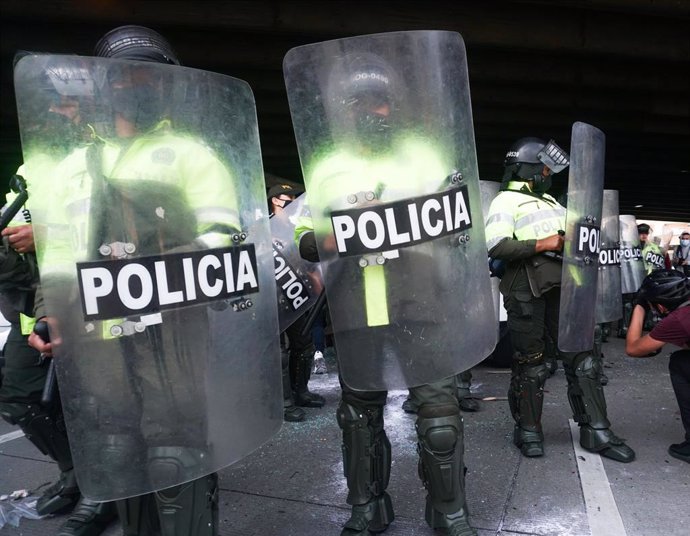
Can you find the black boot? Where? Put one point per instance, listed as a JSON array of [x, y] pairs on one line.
[[463, 383], [680, 451], [60, 497], [442, 470], [89, 519], [370, 518], [586, 397], [367, 465], [526, 399], [301, 366]]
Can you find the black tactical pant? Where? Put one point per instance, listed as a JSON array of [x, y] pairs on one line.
[[140, 399], [531, 320], [679, 368]]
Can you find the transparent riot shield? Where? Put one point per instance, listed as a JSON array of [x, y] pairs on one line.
[[632, 266], [488, 190], [157, 271], [581, 249], [384, 130], [609, 297], [298, 281]]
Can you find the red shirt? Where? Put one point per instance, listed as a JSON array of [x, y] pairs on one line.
[[674, 329]]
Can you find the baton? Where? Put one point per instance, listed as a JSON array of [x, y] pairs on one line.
[[41, 329], [315, 311], [18, 185]]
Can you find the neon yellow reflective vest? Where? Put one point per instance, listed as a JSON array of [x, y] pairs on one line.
[[411, 167], [653, 257], [157, 156], [524, 217], [36, 171]]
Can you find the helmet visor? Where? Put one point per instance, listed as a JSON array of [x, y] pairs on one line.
[[553, 157]]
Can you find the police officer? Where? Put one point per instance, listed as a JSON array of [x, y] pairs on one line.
[[365, 96], [26, 369], [144, 145], [522, 229], [297, 350], [652, 256]]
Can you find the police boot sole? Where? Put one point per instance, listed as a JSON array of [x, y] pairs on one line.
[[532, 450], [619, 453]]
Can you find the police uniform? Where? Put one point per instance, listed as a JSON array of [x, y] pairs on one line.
[[366, 448], [150, 194], [653, 257], [517, 218]]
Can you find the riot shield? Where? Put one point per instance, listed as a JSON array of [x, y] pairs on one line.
[[609, 297], [298, 281], [157, 273], [488, 190], [632, 266], [384, 130], [581, 249]]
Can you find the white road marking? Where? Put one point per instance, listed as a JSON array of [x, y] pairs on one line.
[[602, 512], [12, 435]]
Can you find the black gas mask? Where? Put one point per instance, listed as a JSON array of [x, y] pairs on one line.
[[139, 104], [373, 122]]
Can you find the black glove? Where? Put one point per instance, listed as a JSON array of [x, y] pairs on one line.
[[307, 247]]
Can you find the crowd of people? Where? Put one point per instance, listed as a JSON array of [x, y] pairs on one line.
[[524, 231]]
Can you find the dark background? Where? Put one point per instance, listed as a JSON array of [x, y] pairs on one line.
[[535, 68]]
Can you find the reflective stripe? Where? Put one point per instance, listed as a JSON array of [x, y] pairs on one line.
[[513, 215], [215, 240], [541, 215], [217, 215], [375, 296], [500, 217]]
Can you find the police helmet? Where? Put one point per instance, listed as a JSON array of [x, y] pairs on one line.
[[526, 158], [136, 43], [669, 288], [56, 103], [643, 228]]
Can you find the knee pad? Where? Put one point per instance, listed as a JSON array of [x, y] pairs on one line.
[[366, 452], [441, 465], [173, 464], [588, 367], [45, 429]]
